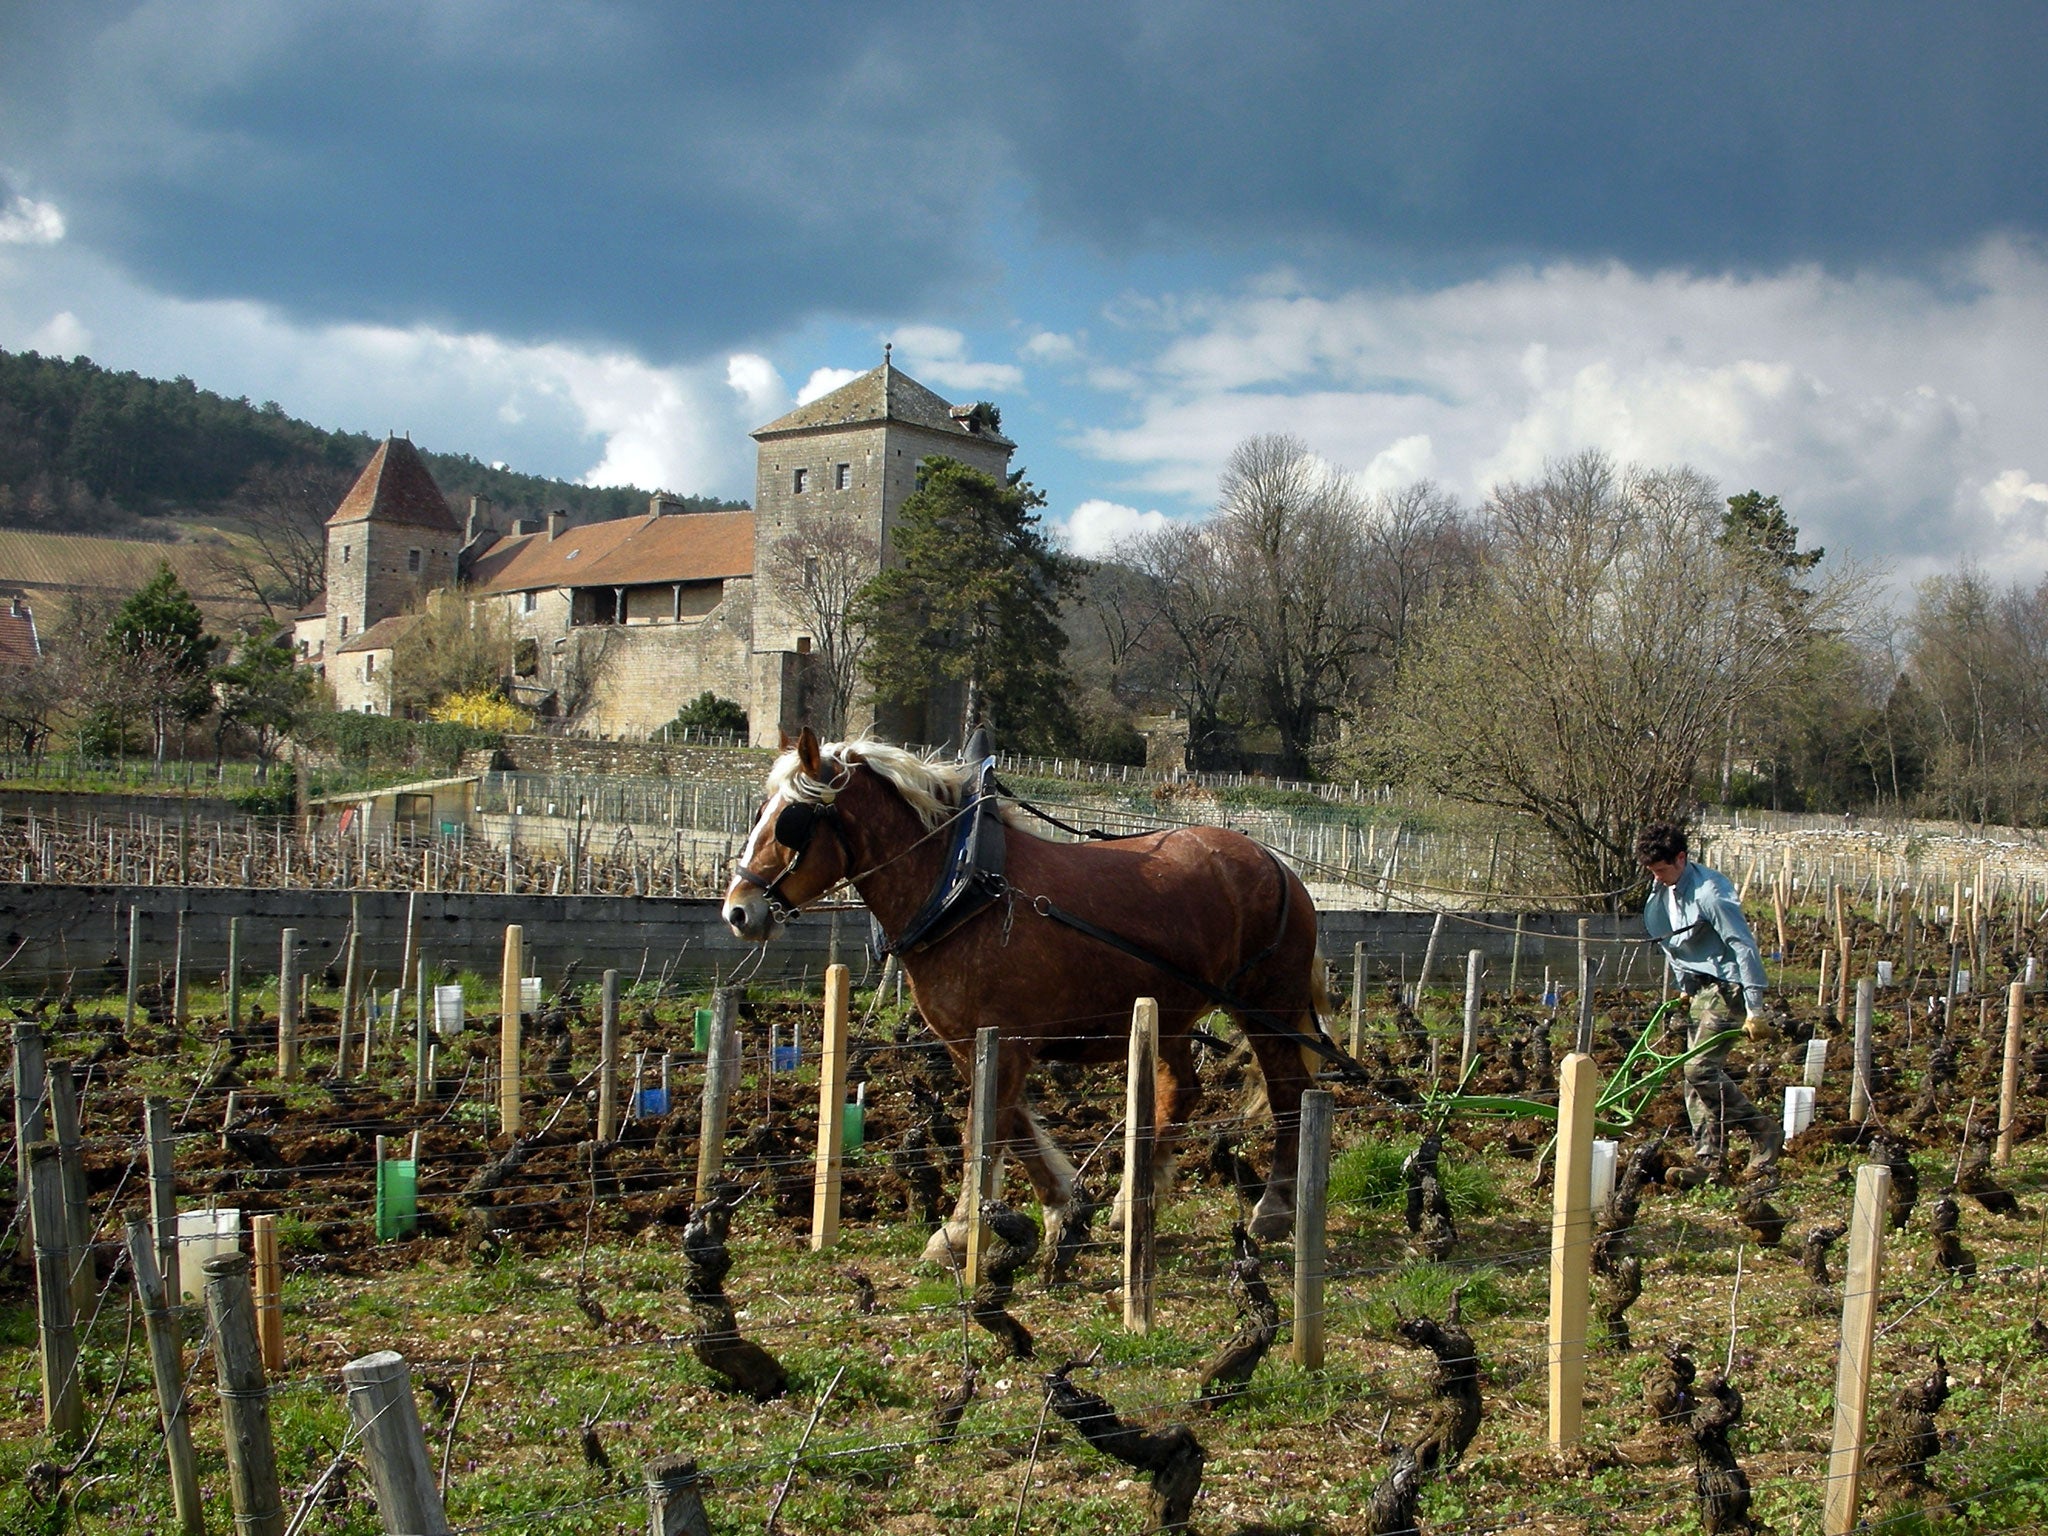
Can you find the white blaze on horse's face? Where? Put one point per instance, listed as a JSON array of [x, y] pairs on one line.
[[747, 911]]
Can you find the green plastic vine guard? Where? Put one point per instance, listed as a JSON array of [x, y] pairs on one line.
[[703, 1029], [855, 1126], [398, 1182], [1622, 1101]]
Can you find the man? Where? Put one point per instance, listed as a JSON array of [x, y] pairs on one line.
[[1693, 913]]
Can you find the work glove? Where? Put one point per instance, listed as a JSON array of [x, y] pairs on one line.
[[1758, 1029]]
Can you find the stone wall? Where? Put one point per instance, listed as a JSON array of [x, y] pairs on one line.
[[61, 928], [636, 759]]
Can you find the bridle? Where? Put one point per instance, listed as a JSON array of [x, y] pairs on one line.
[[796, 828]]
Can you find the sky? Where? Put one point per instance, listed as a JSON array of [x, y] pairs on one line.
[[1802, 248]]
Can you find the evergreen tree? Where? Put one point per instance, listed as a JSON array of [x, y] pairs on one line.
[[158, 637], [974, 598], [262, 690]]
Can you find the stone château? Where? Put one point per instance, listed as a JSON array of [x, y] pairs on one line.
[[618, 624]]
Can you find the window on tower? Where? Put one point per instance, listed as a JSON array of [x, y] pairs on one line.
[[842, 477], [412, 561], [344, 554], [344, 626], [801, 481]]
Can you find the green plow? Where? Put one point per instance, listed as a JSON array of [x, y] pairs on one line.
[[1622, 1101]]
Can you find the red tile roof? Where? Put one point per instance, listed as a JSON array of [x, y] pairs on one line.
[[396, 487], [624, 552], [19, 644]]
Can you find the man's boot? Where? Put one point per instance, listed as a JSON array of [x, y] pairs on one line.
[[1766, 1141]]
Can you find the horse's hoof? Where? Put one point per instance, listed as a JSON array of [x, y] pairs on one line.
[[943, 1251], [1272, 1226]]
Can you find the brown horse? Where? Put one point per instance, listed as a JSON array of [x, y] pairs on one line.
[[1210, 903]]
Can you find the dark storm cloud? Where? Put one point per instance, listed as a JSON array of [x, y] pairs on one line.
[[680, 177]]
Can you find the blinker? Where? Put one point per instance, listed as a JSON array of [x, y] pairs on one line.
[[794, 824]]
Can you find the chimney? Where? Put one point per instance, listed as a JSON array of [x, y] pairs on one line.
[[522, 526], [661, 504], [479, 518], [558, 523]]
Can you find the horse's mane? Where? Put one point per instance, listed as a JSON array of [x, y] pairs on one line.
[[929, 786]]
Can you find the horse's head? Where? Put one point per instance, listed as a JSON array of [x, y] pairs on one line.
[[796, 850]]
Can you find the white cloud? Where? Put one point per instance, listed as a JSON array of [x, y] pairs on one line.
[[606, 417], [755, 380], [938, 356], [1051, 347], [24, 221], [2013, 495], [63, 336], [1885, 410], [823, 381], [1093, 528]]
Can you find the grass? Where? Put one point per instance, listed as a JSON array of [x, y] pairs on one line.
[[1371, 1173]]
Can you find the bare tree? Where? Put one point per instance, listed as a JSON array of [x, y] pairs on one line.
[[276, 556], [820, 566], [1182, 592], [1588, 677], [1291, 534], [456, 644]]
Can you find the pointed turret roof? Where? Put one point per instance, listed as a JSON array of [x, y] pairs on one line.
[[886, 393], [396, 487]]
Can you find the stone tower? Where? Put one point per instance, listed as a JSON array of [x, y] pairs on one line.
[[391, 539], [851, 455]]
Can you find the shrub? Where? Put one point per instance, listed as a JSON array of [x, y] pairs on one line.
[[708, 712], [481, 712], [277, 795]]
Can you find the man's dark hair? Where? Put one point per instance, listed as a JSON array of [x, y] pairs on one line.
[[1660, 842]]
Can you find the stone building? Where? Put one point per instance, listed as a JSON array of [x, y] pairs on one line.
[[849, 457], [618, 624]]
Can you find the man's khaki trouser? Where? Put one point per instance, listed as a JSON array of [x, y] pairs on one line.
[[1714, 1101]]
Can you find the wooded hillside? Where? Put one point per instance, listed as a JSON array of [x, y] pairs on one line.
[[86, 450]]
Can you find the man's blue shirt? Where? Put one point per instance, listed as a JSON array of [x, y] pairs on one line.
[[1700, 924]]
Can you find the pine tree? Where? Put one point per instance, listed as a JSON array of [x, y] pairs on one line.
[[974, 597], [159, 638]]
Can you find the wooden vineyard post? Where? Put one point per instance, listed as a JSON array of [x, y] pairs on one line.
[[1571, 1246], [1140, 1139], [1863, 1060], [288, 1007], [608, 1061], [234, 998], [1778, 917], [1436, 933], [1820, 997], [31, 1078], [78, 1222], [510, 1030], [1311, 1214], [1357, 998], [380, 1406], [1584, 1037], [134, 967], [2009, 1079], [675, 1503], [1515, 958], [409, 955], [1859, 1332], [179, 1013], [831, 1110], [63, 1402], [244, 1398], [1911, 933], [163, 1192], [422, 1033], [718, 1074], [351, 991], [1842, 953], [269, 1278], [166, 1360], [984, 1157], [1473, 962]]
